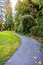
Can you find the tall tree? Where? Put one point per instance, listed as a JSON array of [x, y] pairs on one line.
[[9, 16]]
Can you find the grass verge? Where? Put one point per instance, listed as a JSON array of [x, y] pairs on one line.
[[9, 43]]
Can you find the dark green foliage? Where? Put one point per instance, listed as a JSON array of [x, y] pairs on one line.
[[34, 31], [30, 13], [28, 22], [41, 30], [9, 23], [20, 28], [0, 27]]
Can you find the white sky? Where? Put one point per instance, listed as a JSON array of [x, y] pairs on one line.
[[13, 4]]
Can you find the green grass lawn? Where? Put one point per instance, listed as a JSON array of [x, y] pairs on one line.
[[8, 45]]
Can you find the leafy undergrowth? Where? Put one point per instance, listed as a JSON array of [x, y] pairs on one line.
[[8, 45]]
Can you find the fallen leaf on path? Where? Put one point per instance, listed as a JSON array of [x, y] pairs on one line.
[[35, 57], [39, 62]]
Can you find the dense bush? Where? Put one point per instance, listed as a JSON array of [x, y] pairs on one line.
[[20, 28], [30, 13], [15, 26], [41, 30], [28, 22], [0, 27], [34, 31]]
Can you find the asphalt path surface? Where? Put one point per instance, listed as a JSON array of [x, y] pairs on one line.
[[27, 54]]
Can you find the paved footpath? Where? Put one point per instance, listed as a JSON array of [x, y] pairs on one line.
[[27, 54]]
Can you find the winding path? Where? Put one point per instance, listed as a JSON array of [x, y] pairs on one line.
[[27, 54]]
